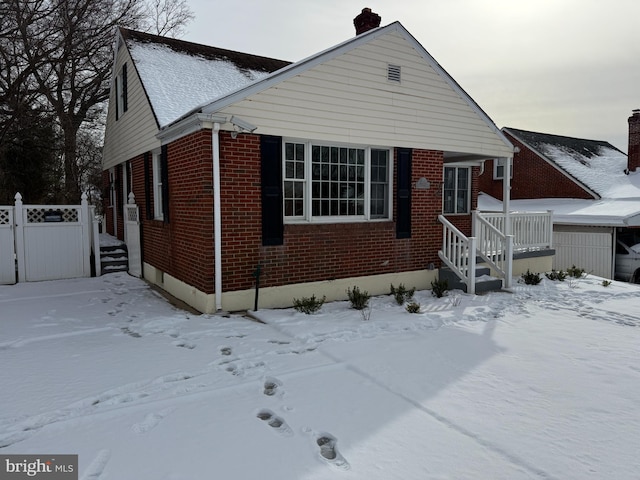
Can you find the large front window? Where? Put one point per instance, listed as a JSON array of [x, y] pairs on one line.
[[457, 189], [325, 182]]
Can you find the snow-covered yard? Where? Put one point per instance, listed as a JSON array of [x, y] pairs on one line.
[[541, 383]]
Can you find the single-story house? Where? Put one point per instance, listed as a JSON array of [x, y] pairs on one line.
[[590, 186], [303, 178]]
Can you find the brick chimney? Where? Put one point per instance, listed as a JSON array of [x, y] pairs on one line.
[[633, 161], [366, 21]]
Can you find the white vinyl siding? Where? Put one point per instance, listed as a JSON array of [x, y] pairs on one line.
[[134, 133], [349, 99]]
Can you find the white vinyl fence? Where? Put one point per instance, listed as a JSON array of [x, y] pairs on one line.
[[51, 241]]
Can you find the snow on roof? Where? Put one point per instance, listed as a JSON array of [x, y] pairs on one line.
[[614, 212], [596, 164], [180, 76]]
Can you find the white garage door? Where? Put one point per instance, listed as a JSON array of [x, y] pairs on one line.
[[589, 248]]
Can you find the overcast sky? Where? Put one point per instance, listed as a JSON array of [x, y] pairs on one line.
[[567, 67]]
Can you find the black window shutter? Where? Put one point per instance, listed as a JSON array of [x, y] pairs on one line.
[[403, 201], [271, 183], [124, 88], [147, 186], [117, 99], [164, 167]]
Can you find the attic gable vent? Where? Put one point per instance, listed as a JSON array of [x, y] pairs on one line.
[[393, 73]]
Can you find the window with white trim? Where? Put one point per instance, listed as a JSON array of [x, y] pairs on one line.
[[158, 213], [457, 190], [499, 165], [324, 182], [121, 91]]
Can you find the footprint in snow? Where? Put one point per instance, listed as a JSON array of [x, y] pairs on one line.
[[330, 453], [150, 421], [275, 422], [272, 386], [226, 351]]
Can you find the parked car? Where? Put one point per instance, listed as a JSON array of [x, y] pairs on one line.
[[627, 261]]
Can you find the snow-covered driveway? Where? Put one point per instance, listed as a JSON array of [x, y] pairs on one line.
[[543, 382]]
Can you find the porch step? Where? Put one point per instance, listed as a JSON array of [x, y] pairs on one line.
[[484, 281], [114, 258]]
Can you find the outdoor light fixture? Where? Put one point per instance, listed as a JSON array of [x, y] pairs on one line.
[[241, 126]]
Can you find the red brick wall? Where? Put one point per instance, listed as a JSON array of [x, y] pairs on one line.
[[184, 247], [313, 252], [533, 177]]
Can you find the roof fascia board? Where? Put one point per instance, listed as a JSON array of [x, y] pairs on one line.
[[554, 165]]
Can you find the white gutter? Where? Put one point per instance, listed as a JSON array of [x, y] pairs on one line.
[[217, 222]]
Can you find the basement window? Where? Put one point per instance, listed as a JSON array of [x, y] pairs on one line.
[[393, 73]]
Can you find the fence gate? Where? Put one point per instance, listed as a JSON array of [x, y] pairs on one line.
[[7, 247], [53, 242]]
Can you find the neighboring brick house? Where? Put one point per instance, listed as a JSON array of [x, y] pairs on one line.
[[591, 187], [318, 175], [553, 166]]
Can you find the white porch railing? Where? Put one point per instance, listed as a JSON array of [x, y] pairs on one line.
[[458, 253], [527, 231], [494, 247], [530, 230]]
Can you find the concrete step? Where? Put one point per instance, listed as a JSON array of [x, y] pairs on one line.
[[114, 258], [484, 281]]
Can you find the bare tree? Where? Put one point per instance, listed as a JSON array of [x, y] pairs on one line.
[[168, 17], [59, 53]]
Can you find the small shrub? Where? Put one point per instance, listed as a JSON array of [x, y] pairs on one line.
[[413, 307], [556, 275], [531, 278], [401, 293], [359, 299], [455, 300], [308, 305], [606, 283], [438, 287], [575, 272]]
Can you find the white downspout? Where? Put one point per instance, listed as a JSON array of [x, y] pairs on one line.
[[217, 221]]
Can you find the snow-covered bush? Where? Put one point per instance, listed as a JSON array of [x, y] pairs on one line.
[[308, 305]]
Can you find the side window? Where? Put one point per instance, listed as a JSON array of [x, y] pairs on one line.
[[121, 92], [499, 166], [457, 190], [158, 175]]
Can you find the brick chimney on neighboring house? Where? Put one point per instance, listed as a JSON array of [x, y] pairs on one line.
[[633, 160], [366, 21]]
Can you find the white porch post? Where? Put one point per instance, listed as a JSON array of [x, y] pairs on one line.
[[20, 256], [506, 195], [508, 230], [86, 223]]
